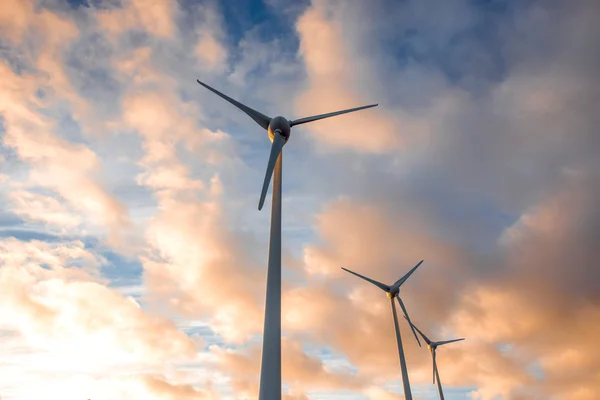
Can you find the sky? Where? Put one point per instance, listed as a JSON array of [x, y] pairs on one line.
[[133, 256]]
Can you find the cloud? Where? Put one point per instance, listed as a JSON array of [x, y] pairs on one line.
[[331, 84], [55, 306], [69, 169], [46, 209], [300, 372], [157, 17]]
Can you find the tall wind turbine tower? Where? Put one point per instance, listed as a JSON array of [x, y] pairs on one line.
[[279, 130]]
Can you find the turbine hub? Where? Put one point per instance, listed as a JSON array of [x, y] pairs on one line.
[[279, 124], [391, 295]]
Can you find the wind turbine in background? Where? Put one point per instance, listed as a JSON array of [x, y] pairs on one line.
[[432, 348], [392, 292], [279, 130]]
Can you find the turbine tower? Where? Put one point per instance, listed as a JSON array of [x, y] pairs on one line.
[[279, 129], [393, 292], [432, 348]]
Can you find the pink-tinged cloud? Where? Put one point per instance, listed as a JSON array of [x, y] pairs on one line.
[[332, 68], [69, 169], [54, 305], [155, 17], [39, 208], [18, 18], [197, 266], [300, 372], [515, 310]]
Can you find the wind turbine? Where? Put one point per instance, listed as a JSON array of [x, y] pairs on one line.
[[279, 129], [432, 346], [392, 292]]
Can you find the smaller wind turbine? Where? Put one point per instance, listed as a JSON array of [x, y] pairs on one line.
[[392, 292], [432, 346]]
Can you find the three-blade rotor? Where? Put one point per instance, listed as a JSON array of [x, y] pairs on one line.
[[393, 291], [279, 130], [433, 347]]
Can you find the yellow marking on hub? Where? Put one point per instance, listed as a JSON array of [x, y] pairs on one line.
[[391, 296]]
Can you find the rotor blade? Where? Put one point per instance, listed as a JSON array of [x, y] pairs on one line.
[[380, 285], [259, 118], [400, 281], [408, 319], [333, 114], [449, 341], [434, 365], [278, 142], [418, 330]]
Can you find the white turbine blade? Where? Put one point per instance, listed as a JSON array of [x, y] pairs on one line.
[[259, 118], [380, 285], [333, 114], [278, 142], [400, 281], [449, 341], [408, 319], [418, 330]]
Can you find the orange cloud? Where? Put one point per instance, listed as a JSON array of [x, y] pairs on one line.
[[300, 372], [332, 70], [46, 209], [18, 17], [156, 17], [56, 311], [69, 169]]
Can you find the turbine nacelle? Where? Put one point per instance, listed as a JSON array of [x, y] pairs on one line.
[[281, 126]]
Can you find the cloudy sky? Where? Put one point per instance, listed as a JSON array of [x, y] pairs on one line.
[[132, 253]]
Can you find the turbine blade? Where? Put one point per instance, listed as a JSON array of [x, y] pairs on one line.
[[278, 142], [259, 118], [449, 341], [418, 330], [400, 281], [380, 285], [408, 319], [434, 366], [333, 114]]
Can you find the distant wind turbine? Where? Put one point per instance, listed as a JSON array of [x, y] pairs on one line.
[[432, 346], [392, 292], [279, 130]]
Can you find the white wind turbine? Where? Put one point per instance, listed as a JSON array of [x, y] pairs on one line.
[[279, 129], [432, 346], [392, 292]]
